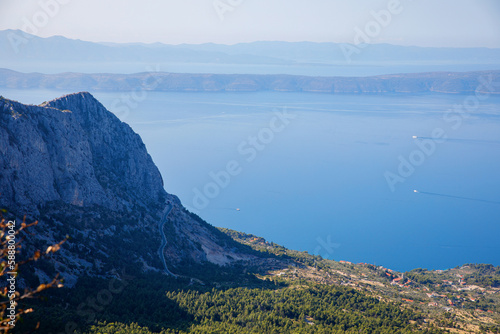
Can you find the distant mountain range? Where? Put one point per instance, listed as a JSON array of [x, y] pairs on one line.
[[436, 82], [20, 50]]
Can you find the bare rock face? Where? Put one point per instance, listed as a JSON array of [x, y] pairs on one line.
[[80, 171], [72, 149]]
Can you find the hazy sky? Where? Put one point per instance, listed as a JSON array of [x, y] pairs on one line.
[[456, 23]]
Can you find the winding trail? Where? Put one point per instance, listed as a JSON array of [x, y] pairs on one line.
[[161, 224]]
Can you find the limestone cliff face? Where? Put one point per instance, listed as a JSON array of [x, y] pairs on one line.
[[77, 169], [72, 149]]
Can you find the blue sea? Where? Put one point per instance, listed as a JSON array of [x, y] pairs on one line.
[[402, 181]]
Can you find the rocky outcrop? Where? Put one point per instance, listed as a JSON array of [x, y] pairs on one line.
[[73, 150]]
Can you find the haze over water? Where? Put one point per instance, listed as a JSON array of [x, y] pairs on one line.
[[318, 184]]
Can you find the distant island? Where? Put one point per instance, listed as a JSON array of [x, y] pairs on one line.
[[413, 83]]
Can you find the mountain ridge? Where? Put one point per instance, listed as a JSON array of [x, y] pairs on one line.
[[58, 54], [257, 52]]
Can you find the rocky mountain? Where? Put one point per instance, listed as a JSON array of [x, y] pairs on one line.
[[80, 171], [434, 82], [21, 46], [73, 150]]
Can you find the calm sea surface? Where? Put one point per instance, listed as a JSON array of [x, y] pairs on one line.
[[333, 175]]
